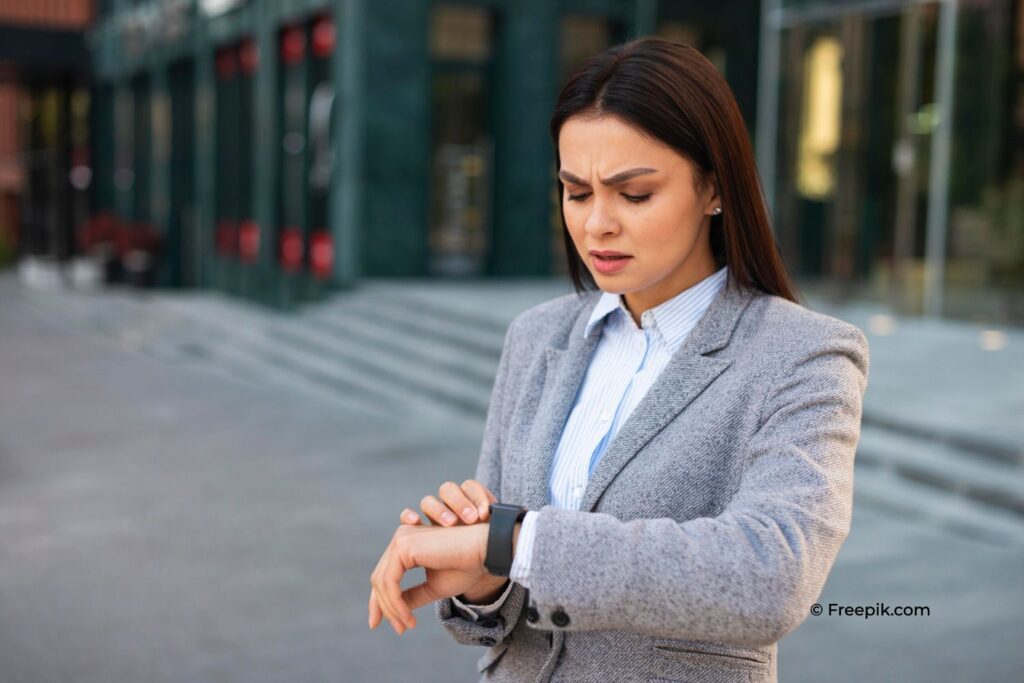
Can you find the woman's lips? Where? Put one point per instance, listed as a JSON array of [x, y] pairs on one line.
[[607, 265]]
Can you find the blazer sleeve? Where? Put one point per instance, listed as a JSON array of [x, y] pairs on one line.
[[748, 576], [495, 627]]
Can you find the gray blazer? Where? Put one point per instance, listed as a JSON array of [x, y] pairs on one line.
[[710, 523]]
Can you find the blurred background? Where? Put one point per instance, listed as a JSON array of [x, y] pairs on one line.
[[276, 149], [257, 258]]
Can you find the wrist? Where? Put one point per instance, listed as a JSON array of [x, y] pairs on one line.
[[487, 591]]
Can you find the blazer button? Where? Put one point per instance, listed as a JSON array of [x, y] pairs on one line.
[[531, 614], [559, 618], [490, 623], [487, 641]]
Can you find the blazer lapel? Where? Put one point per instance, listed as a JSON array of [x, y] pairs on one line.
[[687, 374], [565, 369]]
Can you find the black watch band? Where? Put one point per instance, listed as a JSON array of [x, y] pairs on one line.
[[499, 537]]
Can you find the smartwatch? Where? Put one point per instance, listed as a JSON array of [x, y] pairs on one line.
[[499, 537]]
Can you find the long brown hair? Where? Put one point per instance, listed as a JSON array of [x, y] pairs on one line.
[[673, 93]]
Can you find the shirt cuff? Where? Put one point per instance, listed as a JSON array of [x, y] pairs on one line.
[[472, 612], [520, 572]]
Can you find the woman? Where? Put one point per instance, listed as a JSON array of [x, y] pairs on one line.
[[683, 439]]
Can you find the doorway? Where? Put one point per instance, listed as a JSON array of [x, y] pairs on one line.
[[462, 142], [183, 245]]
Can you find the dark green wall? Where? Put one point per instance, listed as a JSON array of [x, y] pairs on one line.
[[526, 68], [397, 102]]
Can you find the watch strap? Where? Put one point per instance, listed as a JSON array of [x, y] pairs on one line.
[[504, 518]]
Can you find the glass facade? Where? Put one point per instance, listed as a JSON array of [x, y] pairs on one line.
[[462, 144], [889, 136], [897, 164]]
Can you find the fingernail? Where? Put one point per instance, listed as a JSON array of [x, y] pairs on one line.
[[448, 518], [483, 511], [410, 517], [470, 514]]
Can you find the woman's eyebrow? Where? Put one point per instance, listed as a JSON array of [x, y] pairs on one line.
[[614, 180]]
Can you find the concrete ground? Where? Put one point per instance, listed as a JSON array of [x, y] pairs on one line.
[[161, 522]]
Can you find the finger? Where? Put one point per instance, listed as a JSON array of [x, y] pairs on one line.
[[393, 621], [457, 501], [410, 517], [383, 599], [391, 577], [420, 595], [376, 615], [438, 512], [481, 497], [387, 612], [387, 609]]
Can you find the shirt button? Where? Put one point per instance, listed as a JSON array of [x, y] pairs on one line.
[[559, 618], [489, 623], [531, 614], [487, 641], [605, 416]]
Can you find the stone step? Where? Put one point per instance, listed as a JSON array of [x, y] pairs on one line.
[[945, 467], [884, 489], [452, 348], [374, 370], [437, 312]]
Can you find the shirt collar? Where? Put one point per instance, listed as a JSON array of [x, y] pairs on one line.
[[673, 318]]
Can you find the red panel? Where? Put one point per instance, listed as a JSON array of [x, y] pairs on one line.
[[292, 248], [293, 45], [249, 241], [321, 254], [324, 37]]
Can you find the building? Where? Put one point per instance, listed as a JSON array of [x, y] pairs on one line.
[[44, 125], [892, 144], [283, 148]]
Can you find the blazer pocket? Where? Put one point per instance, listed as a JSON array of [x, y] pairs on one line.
[[492, 656], [711, 654]]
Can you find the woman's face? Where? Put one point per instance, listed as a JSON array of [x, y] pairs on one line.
[[652, 212]]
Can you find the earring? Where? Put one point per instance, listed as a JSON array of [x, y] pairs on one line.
[[717, 210]]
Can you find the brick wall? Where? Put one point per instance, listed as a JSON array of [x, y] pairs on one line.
[[11, 175], [58, 14]]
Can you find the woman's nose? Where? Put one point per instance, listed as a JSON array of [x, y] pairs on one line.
[[600, 221]]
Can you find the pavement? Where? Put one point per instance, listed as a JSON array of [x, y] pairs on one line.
[[195, 489]]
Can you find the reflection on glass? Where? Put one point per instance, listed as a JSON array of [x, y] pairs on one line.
[[820, 119], [859, 112], [461, 48]]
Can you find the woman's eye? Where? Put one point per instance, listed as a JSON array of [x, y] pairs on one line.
[[636, 199]]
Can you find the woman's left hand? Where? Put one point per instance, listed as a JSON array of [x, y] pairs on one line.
[[453, 558]]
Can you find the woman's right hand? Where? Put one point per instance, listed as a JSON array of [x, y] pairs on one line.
[[454, 505]]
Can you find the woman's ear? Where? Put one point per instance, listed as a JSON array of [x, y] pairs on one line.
[[712, 199]]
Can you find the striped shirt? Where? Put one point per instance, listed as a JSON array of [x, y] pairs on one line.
[[626, 363]]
